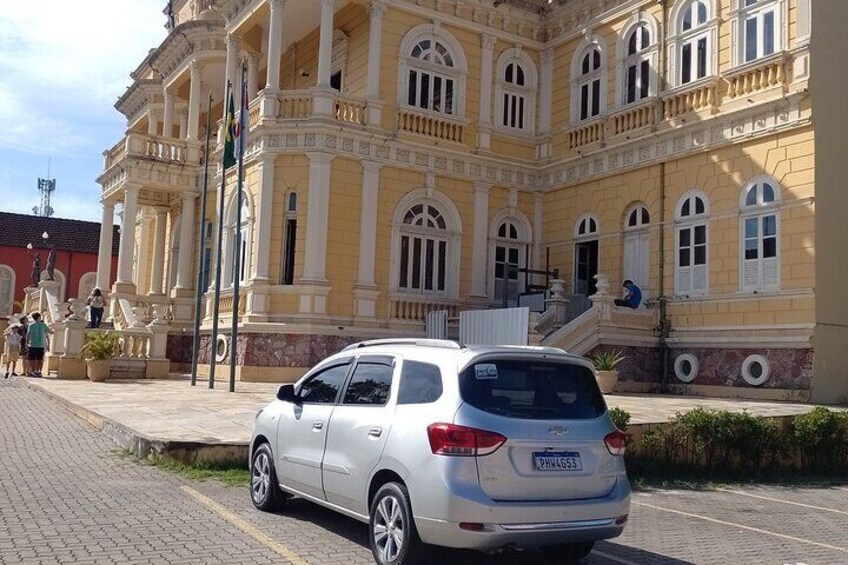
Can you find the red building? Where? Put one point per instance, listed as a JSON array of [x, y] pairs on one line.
[[76, 243]]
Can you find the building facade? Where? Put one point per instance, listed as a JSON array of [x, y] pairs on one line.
[[405, 156], [76, 248]]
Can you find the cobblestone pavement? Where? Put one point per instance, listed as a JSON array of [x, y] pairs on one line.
[[66, 496]]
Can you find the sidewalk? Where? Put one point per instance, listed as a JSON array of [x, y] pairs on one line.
[[170, 417]]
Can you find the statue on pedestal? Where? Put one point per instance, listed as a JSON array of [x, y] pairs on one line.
[[51, 264], [36, 270]]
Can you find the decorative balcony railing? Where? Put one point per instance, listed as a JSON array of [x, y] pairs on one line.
[[225, 303], [634, 118], [750, 79], [683, 101], [164, 149], [349, 110], [115, 154], [430, 125], [253, 112], [295, 104], [416, 309], [587, 134]]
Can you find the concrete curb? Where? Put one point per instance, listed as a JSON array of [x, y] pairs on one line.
[[145, 447]]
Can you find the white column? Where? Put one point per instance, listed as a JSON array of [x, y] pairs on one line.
[[231, 69], [183, 123], [168, 116], [325, 43], [546, 79], [538, 200], [264, 213], [481, 230], [486, 56], [275, 44], [157, 271], [375, 40], [152, 122], [104, 253], [126, 248], [194, 102], [184, 279], [252, 75], [317, 210], [368, 222]]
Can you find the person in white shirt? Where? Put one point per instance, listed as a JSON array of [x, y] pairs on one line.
[[12, 350]]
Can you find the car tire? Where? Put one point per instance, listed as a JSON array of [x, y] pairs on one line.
[[391, 530], [568, 553], [265, 491]]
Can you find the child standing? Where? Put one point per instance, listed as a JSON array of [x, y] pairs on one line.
[[12, 350], [36, 344]]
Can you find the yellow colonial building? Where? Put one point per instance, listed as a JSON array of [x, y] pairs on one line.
[[411, 156]]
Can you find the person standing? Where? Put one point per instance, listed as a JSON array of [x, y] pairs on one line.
[[95, 308], [633, 297], [22, 329], [12, 350], [36, 344]]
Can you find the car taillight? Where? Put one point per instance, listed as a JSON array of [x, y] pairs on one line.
[[615, 442], [462, 441]]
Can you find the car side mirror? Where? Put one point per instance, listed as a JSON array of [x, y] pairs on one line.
[[286, 393]]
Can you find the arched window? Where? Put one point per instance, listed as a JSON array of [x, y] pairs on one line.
[[432, 71], [692, 257], [244, 227], [759, 29], [509, 241], [638, 63], [693, 39], [585, 255], [289, 238], [759, 235], [87, 283], [425, 245], [515, 92], [7, 290], [589, 84], [637, 245]]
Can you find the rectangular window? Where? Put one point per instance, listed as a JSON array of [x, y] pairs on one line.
[[584, 101], [751, 39], [513, 110], [429, 264], [769, 236], [416, 263], [702, 57], [404, 262], [420, 383], [290, 244], [768, 33], [645, 80], [596, 97], [369, 385], [520, 112], [437, 93], [442, 258], [449, 97], [424, 100], [506, 106], [631, 84], [686, 64], [412, 100]]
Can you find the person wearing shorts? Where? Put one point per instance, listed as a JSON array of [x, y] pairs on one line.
[[36, 344], [12, 350]]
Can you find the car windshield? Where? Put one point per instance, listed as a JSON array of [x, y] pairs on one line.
[[538, 390]]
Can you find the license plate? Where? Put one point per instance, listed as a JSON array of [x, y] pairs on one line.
[[558, 461]]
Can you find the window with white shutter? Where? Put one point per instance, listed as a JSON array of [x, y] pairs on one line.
[[692, 271], [759, 236]]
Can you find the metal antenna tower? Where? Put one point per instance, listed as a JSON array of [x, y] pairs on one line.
[[46, 187]]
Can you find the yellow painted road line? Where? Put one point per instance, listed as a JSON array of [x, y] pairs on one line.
[[613, 558], [743, 527], [784, 501], [245, 527]]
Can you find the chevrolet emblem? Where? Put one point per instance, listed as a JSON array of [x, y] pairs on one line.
[[557, 431]]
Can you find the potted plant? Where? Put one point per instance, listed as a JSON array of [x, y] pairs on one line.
[[98, 350], [605, 369]]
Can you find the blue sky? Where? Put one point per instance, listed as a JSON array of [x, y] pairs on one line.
[[63, 64]]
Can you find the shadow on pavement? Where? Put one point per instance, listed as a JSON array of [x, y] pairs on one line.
[[357, 532]]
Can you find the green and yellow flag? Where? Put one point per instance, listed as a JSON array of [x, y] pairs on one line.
[[232, 132]]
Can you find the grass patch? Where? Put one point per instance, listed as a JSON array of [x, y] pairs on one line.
[[232, 474]]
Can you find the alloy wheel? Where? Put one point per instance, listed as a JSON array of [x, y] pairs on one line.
[[389, 529], [260, 479]]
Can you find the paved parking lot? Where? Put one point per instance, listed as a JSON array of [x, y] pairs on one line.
[[66, 496]]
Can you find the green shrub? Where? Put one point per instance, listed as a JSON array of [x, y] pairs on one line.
[[821, 436], [621, 418], [99, 346], [607, 360]]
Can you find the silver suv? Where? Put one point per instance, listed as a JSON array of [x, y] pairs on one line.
[[432, 442]]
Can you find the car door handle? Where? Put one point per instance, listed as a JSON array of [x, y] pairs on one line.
[[317, 426], [376, 431]]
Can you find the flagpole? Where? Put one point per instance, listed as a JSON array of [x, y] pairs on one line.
[[198, 302], [237, 259], [216, 305]]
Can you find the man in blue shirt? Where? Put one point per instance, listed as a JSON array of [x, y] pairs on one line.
[[633, 298]]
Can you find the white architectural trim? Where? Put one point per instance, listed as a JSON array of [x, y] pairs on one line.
[[481, 223], [677, 37], [459, 71], [368, 223], [694, 366], [746, 370], [453, 233], [231, 224], [317, 218], [738, 15], [528, 91], [589, 234], [525, 242], [578, 78], [651, 53]]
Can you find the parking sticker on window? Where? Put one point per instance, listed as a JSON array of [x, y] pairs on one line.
[[486, 371]]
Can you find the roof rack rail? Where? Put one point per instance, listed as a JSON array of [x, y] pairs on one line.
[[420, 342]]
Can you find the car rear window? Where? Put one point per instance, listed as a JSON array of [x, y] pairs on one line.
[[537, 390]]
